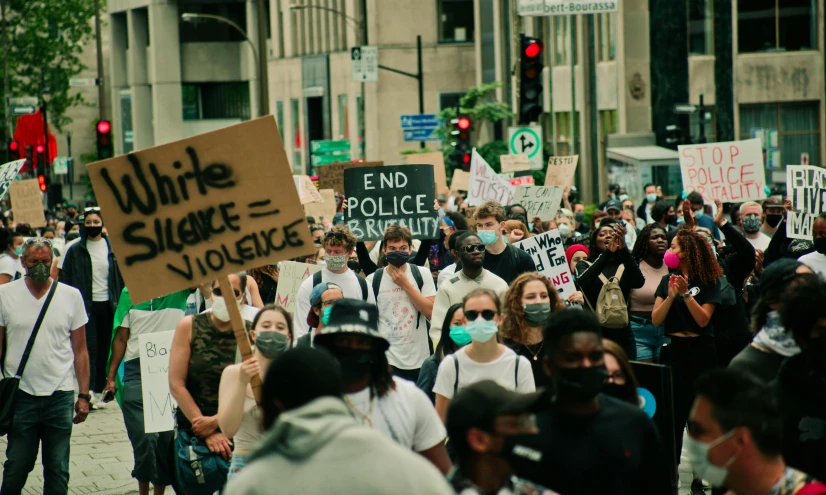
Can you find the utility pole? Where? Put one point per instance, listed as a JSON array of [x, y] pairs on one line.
[[572, 59], [99, 46], [263, 53], [6, 75], [590, 76]]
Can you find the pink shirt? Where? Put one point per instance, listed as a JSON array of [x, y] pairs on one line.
[[642, 299]]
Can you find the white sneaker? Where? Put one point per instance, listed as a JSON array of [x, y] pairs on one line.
[[96, 405]]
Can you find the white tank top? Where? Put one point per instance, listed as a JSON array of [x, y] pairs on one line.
[[249, 432]]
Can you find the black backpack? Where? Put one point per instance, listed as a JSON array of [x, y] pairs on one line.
[[417, 276]]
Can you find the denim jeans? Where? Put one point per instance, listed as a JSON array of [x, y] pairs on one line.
[[649, 338], [150, 450], [237, 463], [46, 419]]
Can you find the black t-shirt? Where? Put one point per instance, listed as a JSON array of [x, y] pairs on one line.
[[616, 451], [502, 264], [679, 318]]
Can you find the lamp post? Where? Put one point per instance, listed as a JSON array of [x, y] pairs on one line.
[[263, 104]]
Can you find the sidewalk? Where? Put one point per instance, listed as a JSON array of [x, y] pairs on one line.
[[101, 457]]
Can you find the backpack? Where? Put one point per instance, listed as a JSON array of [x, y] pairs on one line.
[[362, 283], [456, 382], [611, 310], [417, 276]]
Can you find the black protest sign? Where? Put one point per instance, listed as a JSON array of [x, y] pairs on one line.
[[378, 197], [189, 212]]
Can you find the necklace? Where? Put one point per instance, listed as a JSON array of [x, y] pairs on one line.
[[366, 417], [535, 354]]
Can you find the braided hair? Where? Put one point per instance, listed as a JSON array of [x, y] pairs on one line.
[[641, 247], [698, 258]]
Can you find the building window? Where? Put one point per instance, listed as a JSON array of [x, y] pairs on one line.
[[562, 39], [456, 21], [279, 116], [208, 30], [216, 101], [709, 125], [343, 118], [127, 135], [608, 122], [776, 25], [449, 100], [700, 27], [796, 125], [295, 116], [564, 133], [606, 40]]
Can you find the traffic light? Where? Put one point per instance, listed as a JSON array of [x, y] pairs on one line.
[[14, 150], [41, 181], [41, 158], [104, 140], [460, 140], [530, 79], [29, 157]]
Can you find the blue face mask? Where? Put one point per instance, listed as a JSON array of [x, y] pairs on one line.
[[481, 330], [651, 198], [18, 250], [325, 315], [680, 220], [487, 237], [699, 214], [623, 197], [459, 335]]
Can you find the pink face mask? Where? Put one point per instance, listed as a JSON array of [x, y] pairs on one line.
[[671, 260]]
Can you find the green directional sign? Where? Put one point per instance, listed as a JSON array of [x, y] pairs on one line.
[[330, 146], [328, 159]]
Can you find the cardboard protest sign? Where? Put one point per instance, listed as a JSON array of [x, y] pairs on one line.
[[514, 163], [806, 186], [27, 202], [460, 181], [332, 176], [542, 202], [307, 192], [158, 404], [561, 170], [196, 210], [381, 196], [437, 159], [324, 209], [290, 276], [8, 171], [485, 184], [731, 172], [548, 254]]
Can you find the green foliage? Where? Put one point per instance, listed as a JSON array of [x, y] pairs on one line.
[[492, 151], [45, 41]]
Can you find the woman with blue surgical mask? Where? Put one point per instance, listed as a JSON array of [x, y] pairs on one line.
[[484, 358], [454, 336], [11, 268]]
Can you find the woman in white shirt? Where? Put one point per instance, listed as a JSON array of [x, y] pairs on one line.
[[11, 267], [238, 415], [484, 358]]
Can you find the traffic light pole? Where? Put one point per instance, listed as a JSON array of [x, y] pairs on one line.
[[419, 76]]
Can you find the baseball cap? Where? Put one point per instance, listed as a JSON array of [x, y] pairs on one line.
[[315, 300], [614, 204], [353, 316], [477, 405]]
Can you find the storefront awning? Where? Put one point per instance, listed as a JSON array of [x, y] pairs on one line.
[[640, 156]]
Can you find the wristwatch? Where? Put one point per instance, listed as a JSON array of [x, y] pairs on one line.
[[686, 296], [88, 397]]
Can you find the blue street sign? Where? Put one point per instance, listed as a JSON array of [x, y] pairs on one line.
[[427, 120], [414, 135]]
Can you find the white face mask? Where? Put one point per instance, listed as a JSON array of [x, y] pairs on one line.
[[219, 307], [698, 456]]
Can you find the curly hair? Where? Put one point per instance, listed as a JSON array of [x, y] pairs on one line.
[[514, 324], [640, 251], [698, 258], [340, 235]]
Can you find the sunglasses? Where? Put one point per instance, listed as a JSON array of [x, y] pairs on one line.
[[38, 240], [488, 314], [217, 292], [474, 248], [92, 209]]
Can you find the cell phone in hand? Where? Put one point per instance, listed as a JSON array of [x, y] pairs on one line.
[[108, 396]]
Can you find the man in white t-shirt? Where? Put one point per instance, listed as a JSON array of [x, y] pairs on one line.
[[339, 244], [391, 405], [404, 295], [44, 401], [817, 260], [10, 266], [751, 218]]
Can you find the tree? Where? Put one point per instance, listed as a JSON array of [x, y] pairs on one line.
[[42, 42]]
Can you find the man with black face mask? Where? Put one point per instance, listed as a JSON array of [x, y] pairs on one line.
[[817, 260], [591, 443], [404, 296], [774, 213], [390, 405]]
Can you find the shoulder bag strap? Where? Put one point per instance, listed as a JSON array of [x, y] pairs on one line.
[[37, 324], [516, 374], [377, 283], [456, 383], [620, 271]]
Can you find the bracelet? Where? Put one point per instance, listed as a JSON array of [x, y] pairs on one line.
[[88, 397]]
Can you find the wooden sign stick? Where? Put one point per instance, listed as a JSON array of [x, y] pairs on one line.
[[240, 331]]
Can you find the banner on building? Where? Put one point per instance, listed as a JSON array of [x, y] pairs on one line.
[[192, 211], [27, 203], [485, 185], [539, 201], [561, 170], [378, 197], [158, 403], [290, 276], [731, 172], [548, 254], [806, 188]]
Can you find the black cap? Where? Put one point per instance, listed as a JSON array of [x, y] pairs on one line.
[[356, 317], [477, 405], [614, 204], [776, 276]]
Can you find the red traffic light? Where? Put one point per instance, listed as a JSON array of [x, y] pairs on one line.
[[104, 127], [466, 158], [14, 146], [534, 49], [41, 181], [40, 148], [463, 123]]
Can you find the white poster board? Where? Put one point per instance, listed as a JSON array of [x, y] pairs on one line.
[[539, 201], [561, 170], [8, 171], [731, 172], [806, 186], [548, 254], [158, 403], [485, 185], [290, 276]]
